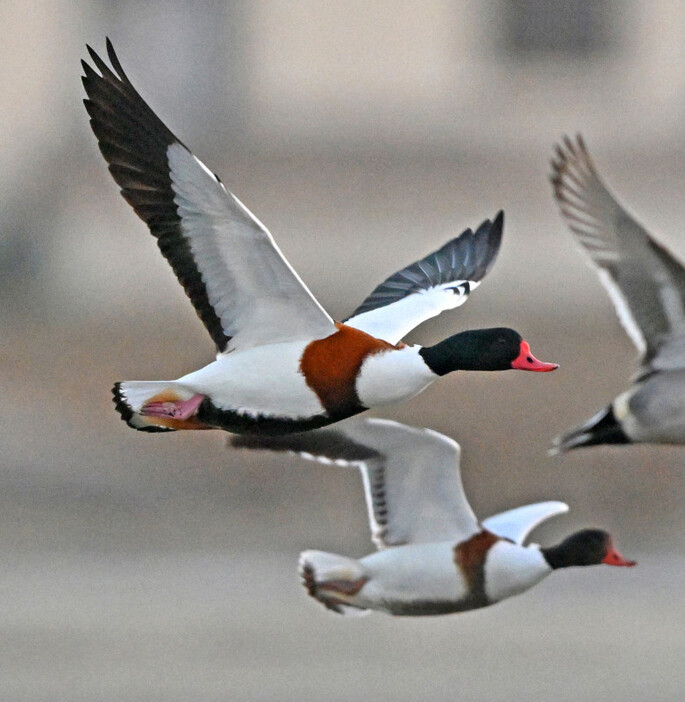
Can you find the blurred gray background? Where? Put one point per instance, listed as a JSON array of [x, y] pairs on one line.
[[364, 134]]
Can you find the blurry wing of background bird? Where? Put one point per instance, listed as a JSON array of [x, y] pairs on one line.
[[644, 281]]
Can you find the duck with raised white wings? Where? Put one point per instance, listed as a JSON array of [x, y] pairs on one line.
[[434, 556], [647, 286], [283, 364]]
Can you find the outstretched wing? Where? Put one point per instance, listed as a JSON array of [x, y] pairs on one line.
[[645, 282], [516, 524], [411, 476], [241, 286], [440, 281]]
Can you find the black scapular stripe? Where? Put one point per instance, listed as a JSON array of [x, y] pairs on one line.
[[134, 142]]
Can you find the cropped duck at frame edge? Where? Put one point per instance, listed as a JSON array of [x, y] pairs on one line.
[[646, 284]]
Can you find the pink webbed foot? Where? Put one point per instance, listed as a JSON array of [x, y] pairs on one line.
[[178, 409]]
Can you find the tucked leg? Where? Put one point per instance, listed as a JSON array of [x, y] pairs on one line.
[[178, 409]]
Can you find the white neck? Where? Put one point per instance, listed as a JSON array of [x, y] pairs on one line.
[[511, 569], [393, 375]]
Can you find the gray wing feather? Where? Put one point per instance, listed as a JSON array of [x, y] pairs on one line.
[[645, 282], [411, 476], [440, 281]]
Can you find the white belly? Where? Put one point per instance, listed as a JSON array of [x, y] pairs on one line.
[[511, 569], [417, 572], [261, 380]]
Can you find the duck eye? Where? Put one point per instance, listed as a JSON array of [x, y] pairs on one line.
[[529, 359]]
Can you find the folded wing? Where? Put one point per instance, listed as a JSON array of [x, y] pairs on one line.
[[441, 281], [516, 524], [241, 286]]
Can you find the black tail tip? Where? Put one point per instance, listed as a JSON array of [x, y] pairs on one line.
[[124, 409], [308, 578], [120, 404], [603, 428]]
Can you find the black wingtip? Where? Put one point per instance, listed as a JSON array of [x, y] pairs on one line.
[[602, 428], [497, 229], [490, 239], [105, 71], [325, 445], [93, 54], [114, 60]]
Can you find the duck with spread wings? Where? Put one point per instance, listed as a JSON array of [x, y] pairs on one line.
[[282, 364]]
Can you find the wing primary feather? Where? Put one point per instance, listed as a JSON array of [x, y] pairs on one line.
[[466, 257], [134, 142], [241, 286], [645, 282]]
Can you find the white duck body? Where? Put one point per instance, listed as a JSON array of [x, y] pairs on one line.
[[424, 579], [236, 383], [237, 380], [407, 579], [511, 569]]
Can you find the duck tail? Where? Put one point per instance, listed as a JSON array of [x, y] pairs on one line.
[[333, 580], [131, 396], [603, 428]]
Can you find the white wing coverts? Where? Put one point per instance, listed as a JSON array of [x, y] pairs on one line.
[[441, 281]]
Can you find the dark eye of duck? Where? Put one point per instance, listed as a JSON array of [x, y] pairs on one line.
[[529, 359]]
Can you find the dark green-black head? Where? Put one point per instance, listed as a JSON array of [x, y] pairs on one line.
[[584, 548], [483, 349]]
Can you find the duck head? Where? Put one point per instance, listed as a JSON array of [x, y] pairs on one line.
[[483, 349], [586, 547]]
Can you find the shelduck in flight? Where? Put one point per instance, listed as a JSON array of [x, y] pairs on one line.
[[434, 556], [283, 365]]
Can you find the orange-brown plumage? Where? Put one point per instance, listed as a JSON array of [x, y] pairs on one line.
[[331, 365], [470, 556]]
